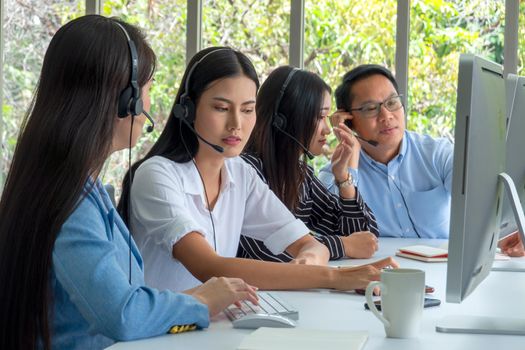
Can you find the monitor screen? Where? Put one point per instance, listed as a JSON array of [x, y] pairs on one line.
[[479, 158]]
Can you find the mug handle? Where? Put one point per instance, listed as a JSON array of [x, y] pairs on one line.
[[368, 293]]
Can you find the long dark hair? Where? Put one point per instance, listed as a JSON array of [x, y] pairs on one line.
[[65, 137], [222, 63], [301, 105]]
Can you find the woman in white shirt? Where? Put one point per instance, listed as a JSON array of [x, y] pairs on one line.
[[192, 196]]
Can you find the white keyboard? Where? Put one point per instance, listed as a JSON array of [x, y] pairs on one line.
[[269, 304]]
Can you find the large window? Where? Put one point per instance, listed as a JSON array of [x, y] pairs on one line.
[[521, 40], [340, 35], [28, 28], [439, 32], [164, 23], [260, 29]]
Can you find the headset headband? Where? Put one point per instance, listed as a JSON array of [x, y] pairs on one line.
[[190, 72], [134, 62], [283, 88]]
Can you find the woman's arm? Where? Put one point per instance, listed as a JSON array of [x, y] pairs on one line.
[[194, 252], [307, 250], [89, 265], [346, 156], [331, 215], [253, 248], [266, 218]]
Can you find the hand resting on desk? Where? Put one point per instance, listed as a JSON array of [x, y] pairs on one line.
[[360, 245]]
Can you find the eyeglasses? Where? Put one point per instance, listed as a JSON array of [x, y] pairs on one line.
[[372, 109]]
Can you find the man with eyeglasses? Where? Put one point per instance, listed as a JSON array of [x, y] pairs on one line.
[[404, 177]]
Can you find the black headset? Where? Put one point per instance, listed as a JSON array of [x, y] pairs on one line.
[[279, 120], [130, 103], [130, 99], [185, 109]]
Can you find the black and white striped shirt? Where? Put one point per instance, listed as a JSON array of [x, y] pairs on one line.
[[328, 216]]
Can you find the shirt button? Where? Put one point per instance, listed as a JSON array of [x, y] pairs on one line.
[[392, 177], [407, 230], [398, 205]]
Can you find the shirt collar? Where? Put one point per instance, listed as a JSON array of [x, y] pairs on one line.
[[228, 181], [192, 182], [399, 156], [403, 148]]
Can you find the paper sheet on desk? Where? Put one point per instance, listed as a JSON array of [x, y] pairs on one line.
[[296, 338]]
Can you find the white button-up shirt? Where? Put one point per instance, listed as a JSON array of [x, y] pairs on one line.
[[167, 202]]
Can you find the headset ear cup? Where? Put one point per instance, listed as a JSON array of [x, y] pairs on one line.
[[136, 107], [185, 109], [124, 102], [190, 110], [279, 121], [179, 111]]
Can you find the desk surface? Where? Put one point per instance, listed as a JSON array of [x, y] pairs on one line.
[[501, 294]]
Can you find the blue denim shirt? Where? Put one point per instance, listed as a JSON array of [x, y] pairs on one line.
[[410, 196], [94, 304]]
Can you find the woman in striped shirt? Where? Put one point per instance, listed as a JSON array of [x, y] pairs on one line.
[[292, 108]]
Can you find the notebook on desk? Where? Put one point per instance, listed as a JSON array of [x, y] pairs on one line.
[[432, 254], [423, 253], [304, 339]]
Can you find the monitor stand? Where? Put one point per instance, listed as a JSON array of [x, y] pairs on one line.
[[481, 325], [512, 195]]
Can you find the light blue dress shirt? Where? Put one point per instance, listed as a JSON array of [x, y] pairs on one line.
[[410, 196], [94, 304]]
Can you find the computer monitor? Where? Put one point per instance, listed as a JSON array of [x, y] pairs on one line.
[[479, 158], [477, 188]]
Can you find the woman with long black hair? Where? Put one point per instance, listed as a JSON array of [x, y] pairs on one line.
[[193, 196], [292, 112], [70, 275]]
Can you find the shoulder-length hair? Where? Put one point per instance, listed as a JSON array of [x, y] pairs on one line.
[[300, 104], [65, 137]]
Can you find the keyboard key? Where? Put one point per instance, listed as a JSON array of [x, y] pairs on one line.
[[275, 303]]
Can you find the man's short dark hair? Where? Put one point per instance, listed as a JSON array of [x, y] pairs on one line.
[[343, 99]]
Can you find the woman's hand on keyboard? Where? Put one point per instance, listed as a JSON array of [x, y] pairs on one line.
[[349, 278], [220, 292]]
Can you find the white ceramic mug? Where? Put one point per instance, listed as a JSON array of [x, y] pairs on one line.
[[402, 298]]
